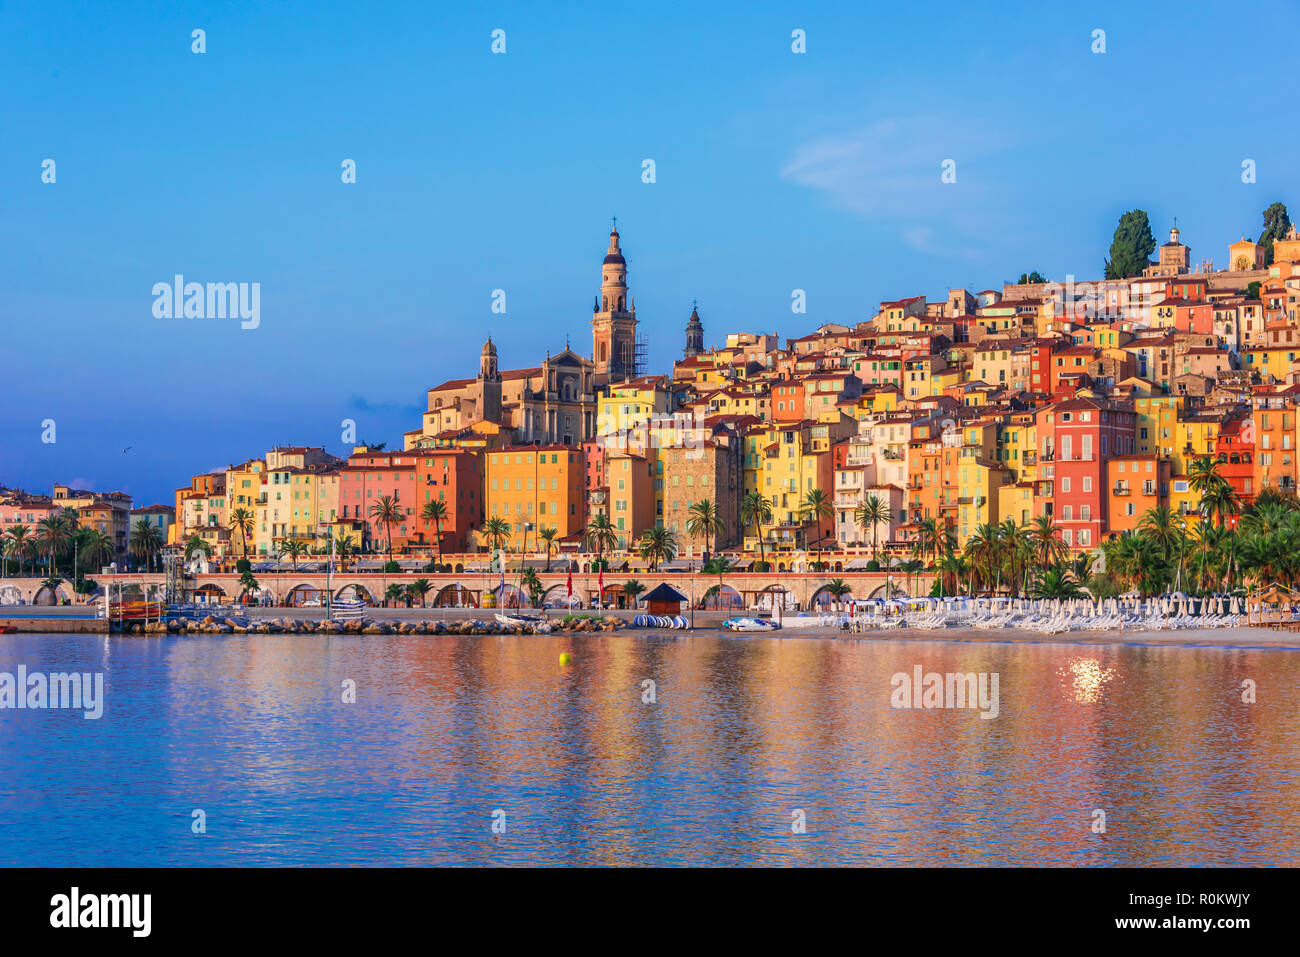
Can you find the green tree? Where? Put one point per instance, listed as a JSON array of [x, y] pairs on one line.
[[388, 512], [871, 514], [1031, 277], [1276, 224], [96, 548], [436, 512], [145, 542], [756, 509], [550, 539], [704, 521], [197, 546], [600, 532], [816, 507], [657, 545], [1055, 582], [247, 585], [291, 548], [532, 584], [52, 533], [241, 521], [631, 589], [420, 588], [1132, 246]]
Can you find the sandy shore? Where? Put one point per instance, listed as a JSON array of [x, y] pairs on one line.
[[1187, 637]]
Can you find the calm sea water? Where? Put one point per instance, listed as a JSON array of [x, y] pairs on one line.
[[744, 732]]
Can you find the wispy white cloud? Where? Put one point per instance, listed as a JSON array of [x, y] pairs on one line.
[[889, 171]]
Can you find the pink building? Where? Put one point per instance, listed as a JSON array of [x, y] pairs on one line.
[[367, 478]]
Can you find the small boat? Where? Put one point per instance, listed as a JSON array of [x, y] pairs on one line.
[[809, 621], [751, 624], [8, 630], [519, 619]]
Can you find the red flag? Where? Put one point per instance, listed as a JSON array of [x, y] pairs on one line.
[[570, 582], [600, 583]]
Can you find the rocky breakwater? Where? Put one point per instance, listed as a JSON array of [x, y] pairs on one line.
[[222, 625]]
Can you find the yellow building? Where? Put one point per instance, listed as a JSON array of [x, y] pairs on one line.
[[630, 405], [631, 480], [542, 485]]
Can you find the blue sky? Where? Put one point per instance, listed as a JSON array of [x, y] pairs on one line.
[[475, 171]]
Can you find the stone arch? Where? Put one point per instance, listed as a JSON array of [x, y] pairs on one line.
[[210, 593], [305, 594], [510, 596], [454, 595], [822, 596], [726, 597], [895, 591], [45, 595], [459, 569], [354, 592], [839, 566], [559, 594], [773, 594]]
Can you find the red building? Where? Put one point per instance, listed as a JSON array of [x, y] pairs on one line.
[[368, 478], [1077, 438], [1235, 449], [455, 478]]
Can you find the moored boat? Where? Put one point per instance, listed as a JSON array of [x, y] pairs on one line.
[[751, 624]]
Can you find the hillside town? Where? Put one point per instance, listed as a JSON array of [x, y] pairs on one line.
[[1155, 403]]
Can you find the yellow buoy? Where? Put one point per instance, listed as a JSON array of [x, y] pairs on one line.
[[565, 657]]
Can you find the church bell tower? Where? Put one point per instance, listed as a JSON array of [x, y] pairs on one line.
[[613, 320]]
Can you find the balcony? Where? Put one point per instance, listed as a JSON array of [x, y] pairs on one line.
[[1120, 490]]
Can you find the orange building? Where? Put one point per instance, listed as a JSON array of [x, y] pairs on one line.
[[541, 485], [1135, 484]]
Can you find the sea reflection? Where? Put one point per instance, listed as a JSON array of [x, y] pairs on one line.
[[742, 733]]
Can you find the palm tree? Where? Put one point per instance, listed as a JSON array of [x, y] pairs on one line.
[[197, 546], [52, 533], [395, 592], [983, 555], [631, 589], [704, 521], [926, 541], [344, 545], [145, 542], [1055, 582], [1048, 548], [388, 512], [600, 532], [658, 544], [838, 588], [96, 547], [718, 565], [20, 544], [873, 513], [496, 530], [248, 584], [292, 547], [436, 512], [1160, 524], [242, 521], [550, 539], [755, 509], [532, 584], [815, 507], [420, 588]]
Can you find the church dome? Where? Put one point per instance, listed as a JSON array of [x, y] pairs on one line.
[[615, 258], [488, 348]]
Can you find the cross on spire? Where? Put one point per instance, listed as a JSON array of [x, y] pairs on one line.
[[615, 224]]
